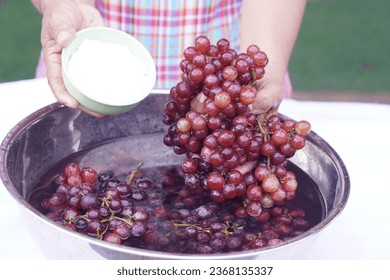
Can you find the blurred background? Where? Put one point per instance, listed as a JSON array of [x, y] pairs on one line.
[[342, 52]]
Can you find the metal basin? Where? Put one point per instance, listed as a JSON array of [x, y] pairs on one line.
[[54, 133]]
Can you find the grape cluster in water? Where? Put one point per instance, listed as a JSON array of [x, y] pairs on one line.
[[230, 152], [153, 209]]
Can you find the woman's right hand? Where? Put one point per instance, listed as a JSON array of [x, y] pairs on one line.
[[61, 20]]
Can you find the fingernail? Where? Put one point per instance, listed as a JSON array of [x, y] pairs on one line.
[[63, 38]]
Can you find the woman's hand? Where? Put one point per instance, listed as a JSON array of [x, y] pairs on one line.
[[61, 20], [269, 96]]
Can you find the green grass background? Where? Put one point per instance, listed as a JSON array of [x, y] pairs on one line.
[[20, 27], [344, 45]]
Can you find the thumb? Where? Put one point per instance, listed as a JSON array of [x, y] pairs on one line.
[[60, 23], [267, 100], [65, 36], [64, 27]]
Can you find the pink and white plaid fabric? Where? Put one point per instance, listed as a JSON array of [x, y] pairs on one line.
[[167, 27]]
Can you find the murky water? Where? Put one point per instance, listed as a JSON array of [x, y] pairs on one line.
[[123, 155]]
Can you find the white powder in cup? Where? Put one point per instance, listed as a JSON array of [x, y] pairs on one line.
[[108, 73]]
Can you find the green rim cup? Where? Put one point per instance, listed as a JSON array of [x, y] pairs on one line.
[[108, 35]]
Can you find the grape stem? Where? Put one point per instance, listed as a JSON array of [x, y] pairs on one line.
[[128, 221], [133, 173], [182, 224], [253, 74], [101, 235], [42, 187], [261, 128], [227, 231], [265, 134], [105, 201]]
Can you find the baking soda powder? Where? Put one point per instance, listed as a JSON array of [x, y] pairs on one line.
[[107, 72]]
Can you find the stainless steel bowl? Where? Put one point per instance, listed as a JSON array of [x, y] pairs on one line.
[[51, 134]]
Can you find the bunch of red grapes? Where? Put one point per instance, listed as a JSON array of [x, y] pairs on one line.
[[230, 191], [230, 152]]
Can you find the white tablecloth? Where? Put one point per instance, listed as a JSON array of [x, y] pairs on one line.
[[359, 132]]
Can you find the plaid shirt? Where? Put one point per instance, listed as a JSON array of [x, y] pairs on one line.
[[166, 27]]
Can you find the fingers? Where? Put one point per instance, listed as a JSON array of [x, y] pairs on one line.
[[96, 115], [61, 21], [197, 103], [246, 167], [61, 94], [268, 100], [92, 17], [52, 58], [58, 30]]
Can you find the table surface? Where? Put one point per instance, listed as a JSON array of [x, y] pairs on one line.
[[359, 132]]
